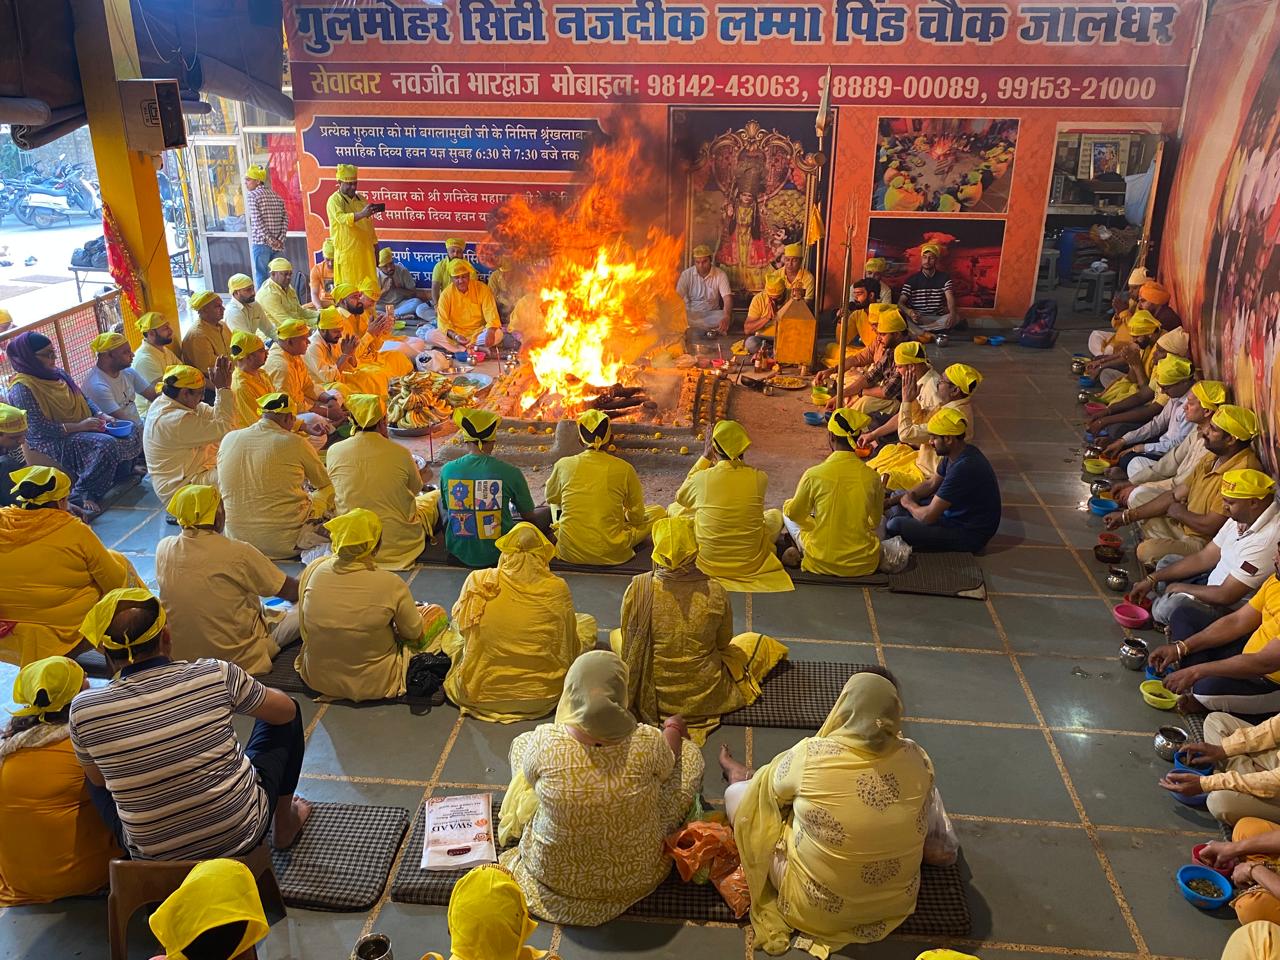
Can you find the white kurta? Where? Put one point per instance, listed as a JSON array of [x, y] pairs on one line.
[[182, 443]]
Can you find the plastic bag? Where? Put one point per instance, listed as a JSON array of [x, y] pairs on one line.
[[706, 852], [895, 554], [941, 845]]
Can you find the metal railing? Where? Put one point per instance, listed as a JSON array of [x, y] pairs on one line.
[[71, 331]]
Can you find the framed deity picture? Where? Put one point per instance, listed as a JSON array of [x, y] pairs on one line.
[[1103, 153]]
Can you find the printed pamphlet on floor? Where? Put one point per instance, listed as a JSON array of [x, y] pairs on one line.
[[459, 832]]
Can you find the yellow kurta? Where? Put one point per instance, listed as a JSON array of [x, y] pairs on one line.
[[803, 279], [838, 506], [735, 533], [204, 343], [466, 314], [290, 374], [74, 568], [601, 509], [264, 471], [354, 257], [281, 304], [368, 470], [352, 614], [322, 360], [181, 442], [246, 390], [53, 843]]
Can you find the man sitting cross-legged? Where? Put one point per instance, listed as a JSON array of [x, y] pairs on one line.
[[158, 749]]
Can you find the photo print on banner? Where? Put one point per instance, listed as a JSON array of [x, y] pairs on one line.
[[970, 253], [949, 165]]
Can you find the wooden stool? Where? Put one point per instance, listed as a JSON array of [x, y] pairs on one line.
[[136, 883]]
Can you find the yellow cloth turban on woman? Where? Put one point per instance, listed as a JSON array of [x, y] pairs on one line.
[[1240, 422], [97, 621], [354, 534], [595, 697], [948, 422], [594, 428], [1247, 485], [46, 686], [732, 440], [215, 893], [33, 486], [847, 422], [195, 505], [489, 919], [674, 542]]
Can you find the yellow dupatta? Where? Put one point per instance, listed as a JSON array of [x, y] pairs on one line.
[[57, 400]]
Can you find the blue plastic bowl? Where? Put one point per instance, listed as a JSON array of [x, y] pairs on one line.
[[120, 428], [1199, 801], [813, 418], [1152, 675], [461, 356], [1086, 381], [1193, 871], [995, 341], [1100, 507], [1181, 766]]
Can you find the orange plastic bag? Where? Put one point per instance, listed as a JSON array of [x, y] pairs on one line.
[[706, 852]]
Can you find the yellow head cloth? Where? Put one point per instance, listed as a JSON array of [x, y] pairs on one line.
[[107, 341], [203, 299], [793, 250], [292, 328], [1172, 369], [674, 542], [1143, 323], [6, 319], [875, 265], [341, 291], [354, 534], [366, 408], [774, 285], [476, 426], [867, 715], [934, 248], [385, 256], [963, 376], [595, 697], [1247, 485], [912, 351], [369, 288], [875, 309], [98, 620], [701, 250], [46, 686], [214, 894], [33, 486], [594, 429], [329, 319], [326, 250], [524, 537], [1153, 292], [890, 321], [948, 422], [453, 243], [1176, 342], [460, 268], [150, 320], [847, 422], [944, 954], [1211, 393], [732, 440], [279, 265], [238, 281], [276, 403], [244, 343], [183, 377], [1240, 422], [347, 173], [488, 917], [1259, 940], [256, 172], [12, 419], [195, 505]]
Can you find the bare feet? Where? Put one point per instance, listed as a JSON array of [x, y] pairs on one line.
[[1189, 706], [734, 772], [90, 510], [289, 821]]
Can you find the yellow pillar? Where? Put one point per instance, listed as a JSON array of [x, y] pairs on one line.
[[107, 52]]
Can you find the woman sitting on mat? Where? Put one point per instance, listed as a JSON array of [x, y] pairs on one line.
[[592, 797], [519, 633], [677, 640], [832, 832], [488, 918]]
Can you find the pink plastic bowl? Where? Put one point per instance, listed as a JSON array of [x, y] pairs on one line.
[[1093, 409], [1195, 858], [1131, 615]]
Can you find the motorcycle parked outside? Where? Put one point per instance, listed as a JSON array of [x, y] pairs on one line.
[[49, 201]]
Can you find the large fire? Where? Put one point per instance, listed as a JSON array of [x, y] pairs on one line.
[[604, 293]]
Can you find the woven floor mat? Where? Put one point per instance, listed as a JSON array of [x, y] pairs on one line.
[[941, 575], [342, 860], [411, 883], [797, 693], [871, 580], [642, 562]]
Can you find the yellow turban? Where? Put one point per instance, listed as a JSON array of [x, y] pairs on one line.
[[948, 422], [46, 686], [732, 440], [366, 408], [12, 419], [1172, 370], [98, 620], [385, 256], [963, 376], [256, 172], [354, 534], [329, 319], [847, 422], [875, 265], [1143, 323], [1176, 342], [33, 486], [150, 320], [774, 285], [341, 291], [203, 299], [793, 250], [183, 377], [476, 426], [292, 328], [890, 321], [216, 893], [1247, 485], [701, 250], [195, 505], [912, 351], [1240, 422], [875, 309], [453, 243], [276, 403], [280, 265], [104, 342], [1153, 292], [244, 343], [370, 289], [944, 954], [594, 429], [524, 537], [1211, 393], [347, 173], [488, 917], [674, 542], [460, 268], [934, 248], [238, 281]]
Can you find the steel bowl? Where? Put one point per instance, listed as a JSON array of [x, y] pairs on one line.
[[1169, 740], [942, 340], [1105, 553], [1099, 487], [1085, 396], [1078, 366], [1119, 582], [1133, 655]]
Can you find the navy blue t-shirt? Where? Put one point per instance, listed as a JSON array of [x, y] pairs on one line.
[[969, 485]]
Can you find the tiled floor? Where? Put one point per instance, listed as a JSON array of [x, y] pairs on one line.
[[1041, 744]]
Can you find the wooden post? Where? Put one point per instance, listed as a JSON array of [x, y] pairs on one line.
[[843, 341]]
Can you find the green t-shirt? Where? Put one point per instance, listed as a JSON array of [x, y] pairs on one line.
[[477, 492]]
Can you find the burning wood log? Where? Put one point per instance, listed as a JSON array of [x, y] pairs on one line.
[[618, 397]]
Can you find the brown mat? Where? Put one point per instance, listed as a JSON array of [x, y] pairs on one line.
[[797, 694], [941, 575], [284, 676], [642, 562]]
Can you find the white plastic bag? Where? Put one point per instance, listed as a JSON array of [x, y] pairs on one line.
[[941, 845], [895, 554]]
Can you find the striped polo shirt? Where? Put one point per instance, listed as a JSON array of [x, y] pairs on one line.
[[161, 735], [927, 295]]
